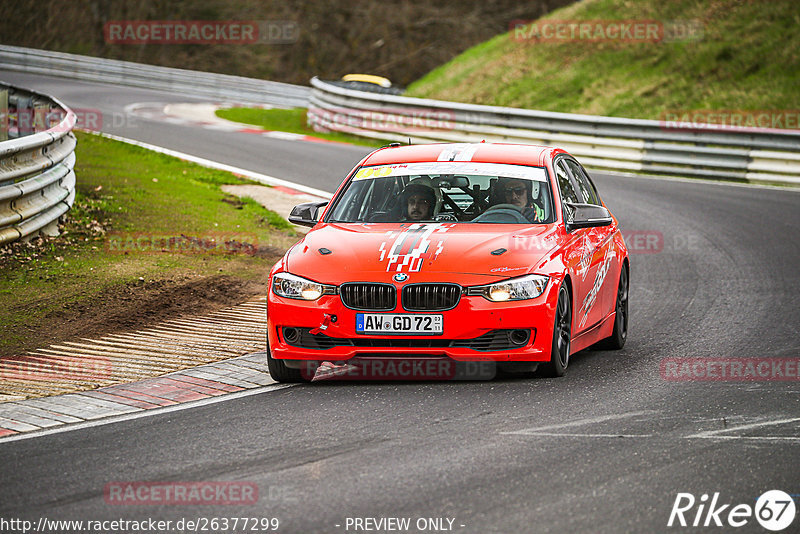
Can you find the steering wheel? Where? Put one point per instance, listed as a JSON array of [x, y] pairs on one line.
[[502, 213]]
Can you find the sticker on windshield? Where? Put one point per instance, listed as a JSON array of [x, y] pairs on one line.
[[452, 167]]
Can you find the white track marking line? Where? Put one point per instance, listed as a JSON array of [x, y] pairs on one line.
[[146, 413], [715, 434], [255, 176], [753, 438], [568, 435], [579, 422]]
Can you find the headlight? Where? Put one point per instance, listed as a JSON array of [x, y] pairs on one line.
[[523, 288], [295, 287]]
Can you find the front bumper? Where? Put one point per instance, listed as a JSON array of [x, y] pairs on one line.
[[473, 331]]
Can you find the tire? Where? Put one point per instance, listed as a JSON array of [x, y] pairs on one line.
[[562, 336], [620, 333], [280, 373]]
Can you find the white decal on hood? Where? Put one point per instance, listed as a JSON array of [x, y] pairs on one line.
[[408, 249]]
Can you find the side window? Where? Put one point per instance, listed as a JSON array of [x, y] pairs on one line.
[[585, 190], [568, 193]]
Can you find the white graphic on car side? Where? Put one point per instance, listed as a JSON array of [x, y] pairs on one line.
[[586, 257], [599, 278], [408, 249]]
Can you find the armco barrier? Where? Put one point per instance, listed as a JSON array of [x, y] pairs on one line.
[[203, 84], [37, 181], [634, 145]]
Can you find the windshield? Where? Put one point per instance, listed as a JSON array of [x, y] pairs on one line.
[[446, 191]]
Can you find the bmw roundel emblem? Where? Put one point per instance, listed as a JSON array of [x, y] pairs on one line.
[[400, 277]]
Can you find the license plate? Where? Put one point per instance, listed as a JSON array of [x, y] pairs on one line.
[[398, 323]]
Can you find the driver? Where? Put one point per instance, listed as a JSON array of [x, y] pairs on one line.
[[418, 201], [519, 193]]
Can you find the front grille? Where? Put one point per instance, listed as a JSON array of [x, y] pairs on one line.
[[368, 297], [491, 341], [431, 297]]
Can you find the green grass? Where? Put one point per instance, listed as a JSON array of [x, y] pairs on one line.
[[123, 190], [292, 121], [748, 58]]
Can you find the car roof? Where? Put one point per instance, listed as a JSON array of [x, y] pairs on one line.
[[476, 152]]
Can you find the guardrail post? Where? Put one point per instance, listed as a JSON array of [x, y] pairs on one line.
[[4, 124]]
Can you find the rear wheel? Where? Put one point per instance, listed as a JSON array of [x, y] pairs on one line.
[[562, 335], [620, 333]]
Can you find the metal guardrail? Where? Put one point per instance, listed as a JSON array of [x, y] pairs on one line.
[[205, 84], [634, 145], [37, 180]]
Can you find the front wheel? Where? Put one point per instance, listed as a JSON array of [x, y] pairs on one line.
[[281, 373], [620, 333], [562, 335]]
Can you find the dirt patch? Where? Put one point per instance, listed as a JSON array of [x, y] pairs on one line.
[[133, 306]]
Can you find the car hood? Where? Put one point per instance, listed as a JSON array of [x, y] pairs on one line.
[[432, 252]]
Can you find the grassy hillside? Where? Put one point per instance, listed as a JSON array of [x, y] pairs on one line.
[[747, 58]]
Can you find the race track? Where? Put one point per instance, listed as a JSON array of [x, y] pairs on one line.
[[605, 449]]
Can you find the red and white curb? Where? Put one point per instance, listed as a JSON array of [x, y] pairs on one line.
[[183, 389], [188, 359], [203, 116]]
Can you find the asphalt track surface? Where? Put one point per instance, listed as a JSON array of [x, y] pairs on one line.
[[605, 449]]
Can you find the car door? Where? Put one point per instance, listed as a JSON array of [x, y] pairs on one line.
[[579, 249], [602, 293]]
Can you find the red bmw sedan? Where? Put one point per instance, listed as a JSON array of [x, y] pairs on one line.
[[480, 252]]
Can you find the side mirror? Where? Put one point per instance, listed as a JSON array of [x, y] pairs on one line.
[[306, 214], [586, 216]]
